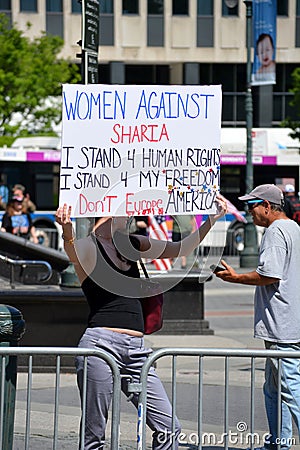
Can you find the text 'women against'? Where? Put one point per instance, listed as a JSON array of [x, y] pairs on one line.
[[115, 105]]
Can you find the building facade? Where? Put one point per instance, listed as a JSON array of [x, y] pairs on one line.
[[175, 42]]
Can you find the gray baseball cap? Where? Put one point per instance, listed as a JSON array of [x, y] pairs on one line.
[[268, 192]]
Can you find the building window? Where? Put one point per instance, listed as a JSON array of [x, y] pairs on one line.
[[283, 7], [155, 6], [233, 80], [155, 23], [107, 28], [106, 7], [28, 5], [5, 8], [297, 43], [180, 7], [54, 6], [76, 7], [205, 23], [282, 95], [228, 10], [205, 7], [54, 18], [147, 74], [5, 5], [130, 6]]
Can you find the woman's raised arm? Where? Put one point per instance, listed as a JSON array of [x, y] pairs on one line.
[[154, 249]]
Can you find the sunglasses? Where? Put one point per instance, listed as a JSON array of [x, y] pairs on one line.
[[251, 204]]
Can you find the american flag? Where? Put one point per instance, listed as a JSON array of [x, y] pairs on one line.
[[158, 230]]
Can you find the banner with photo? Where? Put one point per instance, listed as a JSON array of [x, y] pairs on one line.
[[264, 37]]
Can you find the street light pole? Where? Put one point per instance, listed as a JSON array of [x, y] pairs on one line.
[[89, 67], [249, 256]]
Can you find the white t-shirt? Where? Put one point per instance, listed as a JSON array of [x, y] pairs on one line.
[[277, 306]]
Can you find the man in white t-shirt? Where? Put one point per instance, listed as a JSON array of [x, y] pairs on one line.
[[277, 305]]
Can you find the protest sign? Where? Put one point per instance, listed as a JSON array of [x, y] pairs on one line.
[[138, 150]]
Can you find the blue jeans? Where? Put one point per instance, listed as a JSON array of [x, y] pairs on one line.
[[290, 394]]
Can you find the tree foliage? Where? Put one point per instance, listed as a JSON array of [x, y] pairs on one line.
[[31, 75], [295, 103]]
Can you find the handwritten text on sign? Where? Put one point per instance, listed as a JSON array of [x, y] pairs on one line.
[[138, 150]]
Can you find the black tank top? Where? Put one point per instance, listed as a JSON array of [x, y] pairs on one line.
[[104, 289]]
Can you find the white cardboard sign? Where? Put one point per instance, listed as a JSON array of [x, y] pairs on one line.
[[138, 150]]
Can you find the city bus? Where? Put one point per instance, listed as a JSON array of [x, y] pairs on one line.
[[275, 159], [35, 162]]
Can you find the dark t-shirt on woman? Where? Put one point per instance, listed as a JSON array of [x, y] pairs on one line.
[[113, 295]]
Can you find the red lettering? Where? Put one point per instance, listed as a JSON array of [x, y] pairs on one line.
[[134, 207], [143, 132], [127, 203], [115, 127], [164, 132], [152, 127], [99, 206], [135, 134], [140, 133]]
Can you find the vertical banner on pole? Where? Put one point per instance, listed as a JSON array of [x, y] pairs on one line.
[[264, 42]]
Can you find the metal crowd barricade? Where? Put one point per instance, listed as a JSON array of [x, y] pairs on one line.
[[202, 353], [140, 389], [223, 242], [58, 352]]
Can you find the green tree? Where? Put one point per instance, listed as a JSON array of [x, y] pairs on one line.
[[295, 103], [31, 75]]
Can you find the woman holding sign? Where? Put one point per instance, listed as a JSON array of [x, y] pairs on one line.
[[106, 265]]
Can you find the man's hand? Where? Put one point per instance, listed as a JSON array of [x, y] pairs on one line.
[[250, 278], [229, 274]]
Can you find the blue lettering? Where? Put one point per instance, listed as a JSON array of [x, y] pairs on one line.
[[85, 105], [206, 106], [162, 107], [170, 116], [155, 108], [197, 106], [96, 101], [122, 105], [142, 104], [73, 108], [184, 107], [172, 105], [106, 105]]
